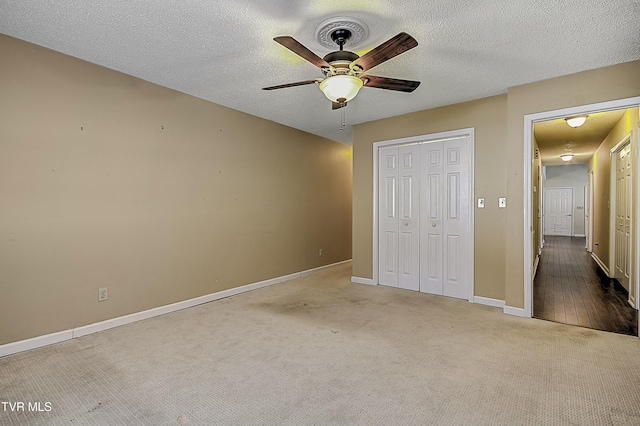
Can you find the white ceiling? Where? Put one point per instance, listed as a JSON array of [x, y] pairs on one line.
[[223, 51]]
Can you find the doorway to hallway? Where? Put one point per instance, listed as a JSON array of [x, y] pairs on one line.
[[596, 188]]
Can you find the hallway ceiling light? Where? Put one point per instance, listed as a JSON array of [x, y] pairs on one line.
[[577, 120], [566, 157]]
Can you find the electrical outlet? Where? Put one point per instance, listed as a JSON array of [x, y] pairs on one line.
[[320, 253], [102, 294]]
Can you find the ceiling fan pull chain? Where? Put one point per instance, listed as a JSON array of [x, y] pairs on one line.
[[342, 115]]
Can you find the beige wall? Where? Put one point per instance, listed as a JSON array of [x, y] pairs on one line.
[[488, 117], [600, 164], [499, 166], [110, 181]]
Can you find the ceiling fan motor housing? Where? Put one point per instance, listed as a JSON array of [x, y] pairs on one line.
[[340, 62]]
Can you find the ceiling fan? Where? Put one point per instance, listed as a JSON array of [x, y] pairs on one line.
[[345, 72]]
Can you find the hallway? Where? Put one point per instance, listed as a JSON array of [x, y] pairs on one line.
[[570, 288]]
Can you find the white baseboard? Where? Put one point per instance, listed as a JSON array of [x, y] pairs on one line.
[[488, 301], [358, 280], [518, 312], [600, 263], [35, 342], [61, 336], [580, 235], [322, 268]]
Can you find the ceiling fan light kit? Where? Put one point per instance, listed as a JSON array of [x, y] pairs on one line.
[[341, 88], [344, 71]]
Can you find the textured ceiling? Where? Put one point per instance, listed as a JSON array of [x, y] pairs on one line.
[[224, 52], [555, 137]]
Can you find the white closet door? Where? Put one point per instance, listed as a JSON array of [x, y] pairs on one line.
[[424, 203], [456, 219], [431, 280], [445, 218], [388, 217], [409, 217], [398, 210]]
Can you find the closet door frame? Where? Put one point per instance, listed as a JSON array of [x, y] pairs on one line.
[[428, 138]]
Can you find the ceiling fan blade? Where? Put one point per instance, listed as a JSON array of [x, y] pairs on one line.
[[390, 83], [387, 50], [297, 48], [298, 83], [337, 105]]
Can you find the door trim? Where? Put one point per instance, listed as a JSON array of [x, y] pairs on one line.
[[542, 172], [529, 119], [422, 139], [590, 207], [637, 227]]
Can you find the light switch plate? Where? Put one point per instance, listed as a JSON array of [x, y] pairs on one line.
[[481, 203], [502, 203]]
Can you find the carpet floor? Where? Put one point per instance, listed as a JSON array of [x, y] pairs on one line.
[[321, 350]]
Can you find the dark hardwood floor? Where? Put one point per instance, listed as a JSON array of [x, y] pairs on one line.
[[569, 287]]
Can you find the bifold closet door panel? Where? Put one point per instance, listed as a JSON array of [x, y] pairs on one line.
[[456, 205], [409, 217], [388, 217]]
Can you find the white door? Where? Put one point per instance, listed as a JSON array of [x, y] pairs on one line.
[[431, 278], [398, 212], [388, 217], [623, 216], [409, 217], [445, 222], [424, 226], [558, 211]]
